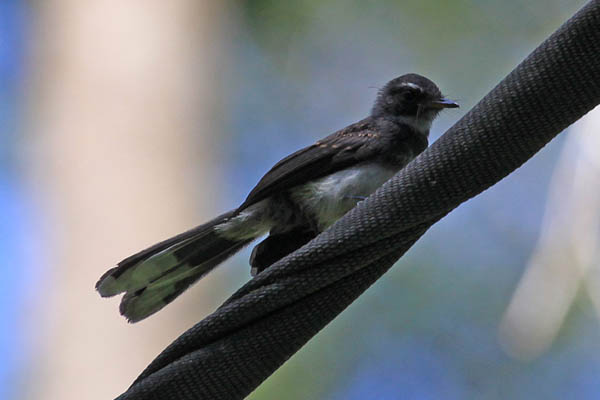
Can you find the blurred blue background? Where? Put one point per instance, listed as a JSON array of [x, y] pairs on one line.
[[287, 74], [17, 228]]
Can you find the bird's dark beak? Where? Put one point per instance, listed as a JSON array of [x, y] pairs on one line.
[[442, 103]]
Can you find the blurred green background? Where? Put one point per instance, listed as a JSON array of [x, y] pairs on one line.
[[125, 122]]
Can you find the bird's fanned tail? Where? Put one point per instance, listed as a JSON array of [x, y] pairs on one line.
[[154, 277]]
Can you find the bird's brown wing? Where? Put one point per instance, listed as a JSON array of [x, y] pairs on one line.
[[354, 144]]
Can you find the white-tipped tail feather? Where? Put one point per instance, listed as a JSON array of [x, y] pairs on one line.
[[154, 277]]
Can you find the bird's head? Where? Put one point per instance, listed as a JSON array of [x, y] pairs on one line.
[[411, 99]]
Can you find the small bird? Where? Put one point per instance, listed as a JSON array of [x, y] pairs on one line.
[[298, 198]]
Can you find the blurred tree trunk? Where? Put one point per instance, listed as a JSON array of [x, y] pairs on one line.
[[123, 113]]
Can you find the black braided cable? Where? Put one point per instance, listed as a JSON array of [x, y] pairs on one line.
[[229, 353]]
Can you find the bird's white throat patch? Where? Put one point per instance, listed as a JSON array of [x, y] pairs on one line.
[[421, 123]]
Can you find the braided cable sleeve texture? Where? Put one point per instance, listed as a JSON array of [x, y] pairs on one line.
[[229, 353]]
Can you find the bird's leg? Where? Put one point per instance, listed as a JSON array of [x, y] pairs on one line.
[[277, 246]]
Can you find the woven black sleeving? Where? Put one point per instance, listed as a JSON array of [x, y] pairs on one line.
[[229, 353]]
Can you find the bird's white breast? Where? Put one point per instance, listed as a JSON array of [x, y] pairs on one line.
[[330, 197]]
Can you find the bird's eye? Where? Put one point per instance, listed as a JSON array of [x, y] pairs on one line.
[[409, 95]]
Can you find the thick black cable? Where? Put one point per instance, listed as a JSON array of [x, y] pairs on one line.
[[229, 353]]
